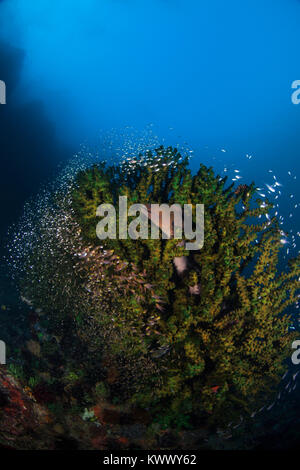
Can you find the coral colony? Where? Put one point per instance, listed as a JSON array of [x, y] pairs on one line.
[[189, 336]]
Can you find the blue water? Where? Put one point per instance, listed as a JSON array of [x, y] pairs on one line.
[[219, 72]]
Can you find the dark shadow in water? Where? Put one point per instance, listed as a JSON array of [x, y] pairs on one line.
[[29, 148]]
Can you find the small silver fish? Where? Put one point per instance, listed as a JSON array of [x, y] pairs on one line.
[[295, 375]]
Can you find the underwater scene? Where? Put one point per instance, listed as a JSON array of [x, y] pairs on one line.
[[150, 238]]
